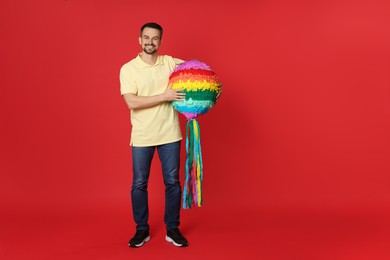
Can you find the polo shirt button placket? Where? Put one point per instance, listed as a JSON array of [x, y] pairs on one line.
[[156, 71]]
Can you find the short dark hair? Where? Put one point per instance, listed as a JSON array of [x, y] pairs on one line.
[[152, 25]]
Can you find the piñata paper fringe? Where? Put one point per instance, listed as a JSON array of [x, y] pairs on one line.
[[192, 193]]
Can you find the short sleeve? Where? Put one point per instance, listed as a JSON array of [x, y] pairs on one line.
[[127, 82], [177, 61]]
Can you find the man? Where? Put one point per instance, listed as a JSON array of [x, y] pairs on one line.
[[155, 125]]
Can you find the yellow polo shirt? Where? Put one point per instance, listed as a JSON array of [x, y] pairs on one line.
[[158, 124]]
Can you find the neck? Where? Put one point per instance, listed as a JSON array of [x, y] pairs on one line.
[[149, 58]]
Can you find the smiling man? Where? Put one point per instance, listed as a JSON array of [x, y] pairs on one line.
[[155, 125]]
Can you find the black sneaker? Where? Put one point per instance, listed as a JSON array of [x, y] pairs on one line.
[[174, 236], [140, 237]]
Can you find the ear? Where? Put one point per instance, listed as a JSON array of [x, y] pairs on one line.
[[139, 40]]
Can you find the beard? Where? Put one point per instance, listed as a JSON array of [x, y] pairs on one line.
[[150, 50]]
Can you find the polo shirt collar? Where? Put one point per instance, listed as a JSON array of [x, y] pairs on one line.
[[159, 61]]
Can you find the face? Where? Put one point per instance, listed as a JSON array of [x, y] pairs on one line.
[[150, 40]]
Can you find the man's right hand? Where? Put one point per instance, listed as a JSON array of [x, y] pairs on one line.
[[174, 95]]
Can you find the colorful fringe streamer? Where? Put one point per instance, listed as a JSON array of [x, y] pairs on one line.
[[192, 193], [201, 86]]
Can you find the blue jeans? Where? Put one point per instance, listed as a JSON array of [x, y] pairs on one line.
[[169, 155]]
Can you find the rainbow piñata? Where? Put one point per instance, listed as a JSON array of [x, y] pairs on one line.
[[201, 86]]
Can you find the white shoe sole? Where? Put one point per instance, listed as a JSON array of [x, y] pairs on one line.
[[143, 242], [170, 240]]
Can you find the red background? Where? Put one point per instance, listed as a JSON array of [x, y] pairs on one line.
[[296, 152]]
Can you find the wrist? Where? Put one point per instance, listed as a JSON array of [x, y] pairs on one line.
[[163, 98]]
